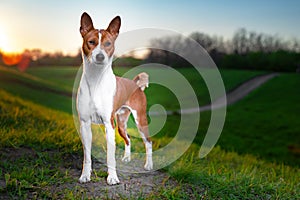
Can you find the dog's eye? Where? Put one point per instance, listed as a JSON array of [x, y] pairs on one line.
[[106, 44], [92, 42]]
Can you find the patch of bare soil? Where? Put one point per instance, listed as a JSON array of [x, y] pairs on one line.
[[132, 185]]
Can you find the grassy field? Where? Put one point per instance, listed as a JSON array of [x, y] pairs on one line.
[[257, 156], [266, 122], [39, 89], [52, 86]]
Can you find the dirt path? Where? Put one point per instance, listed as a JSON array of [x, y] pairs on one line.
[[131, 185], [151, 185], [240, 92]]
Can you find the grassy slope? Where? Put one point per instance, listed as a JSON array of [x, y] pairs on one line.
[[35, 142], [262, 128], [62, 76], [23, 123], [225, 175], [36, 89], [266, 122], [221, 175]]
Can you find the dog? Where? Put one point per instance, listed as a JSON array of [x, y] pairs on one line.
[[104, 98]]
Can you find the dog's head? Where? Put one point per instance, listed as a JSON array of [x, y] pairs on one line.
[[98, 45]]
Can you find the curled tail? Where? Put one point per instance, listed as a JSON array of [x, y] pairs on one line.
[[142, 80]]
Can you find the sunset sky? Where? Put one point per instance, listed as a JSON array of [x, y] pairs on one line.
[[54, 25]]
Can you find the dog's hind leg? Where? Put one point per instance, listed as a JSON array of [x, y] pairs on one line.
[[142, 124], [122, 118], [138, 105]]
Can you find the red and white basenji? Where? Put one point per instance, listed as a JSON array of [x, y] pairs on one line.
[[102, 97]]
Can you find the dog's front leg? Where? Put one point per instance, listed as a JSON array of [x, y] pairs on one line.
[[112, 178], [86, 139]]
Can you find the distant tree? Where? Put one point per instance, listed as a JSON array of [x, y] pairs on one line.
[[164, 48], [239, 42], [244, 42], [204, 40], [295, 45], [35, 54]]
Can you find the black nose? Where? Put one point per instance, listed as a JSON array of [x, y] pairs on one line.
[[100, 57]]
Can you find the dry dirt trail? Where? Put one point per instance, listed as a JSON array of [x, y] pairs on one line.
[[240, 92]]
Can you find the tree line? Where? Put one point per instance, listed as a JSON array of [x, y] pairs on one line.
[[245, 50], [39, 58]]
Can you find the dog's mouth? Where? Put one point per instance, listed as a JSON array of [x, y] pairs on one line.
[[99, 62]]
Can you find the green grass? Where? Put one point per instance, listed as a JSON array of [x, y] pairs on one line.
[[266, 122], [59, 79], [52, 86], [28, 175], [40, 90], [35, 129], [62, 76], [227, 175], [23, 123], [231, 79], [256, 158], [220, 175]]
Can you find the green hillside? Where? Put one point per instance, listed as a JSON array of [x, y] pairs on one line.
[[257, 155]]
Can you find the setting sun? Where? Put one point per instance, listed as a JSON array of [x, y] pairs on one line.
[[4, 41], [9, 56]]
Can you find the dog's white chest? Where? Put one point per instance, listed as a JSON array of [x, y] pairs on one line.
[[102, 101], [99, 91]]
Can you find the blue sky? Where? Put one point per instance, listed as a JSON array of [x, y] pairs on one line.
[[53, 25]]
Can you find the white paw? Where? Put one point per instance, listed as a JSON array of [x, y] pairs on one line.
[[148, 165], [86, 173], [126, 158], [112, 179], [85, 178]]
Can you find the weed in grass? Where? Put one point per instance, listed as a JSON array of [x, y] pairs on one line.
[[99, 174]]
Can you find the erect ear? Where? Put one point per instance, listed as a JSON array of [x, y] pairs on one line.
[[114, 26], [86, 24]]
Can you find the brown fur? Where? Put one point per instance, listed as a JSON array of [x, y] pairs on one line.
[[128, 93]]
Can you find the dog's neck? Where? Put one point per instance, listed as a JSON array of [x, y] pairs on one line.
[[97, 73]]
